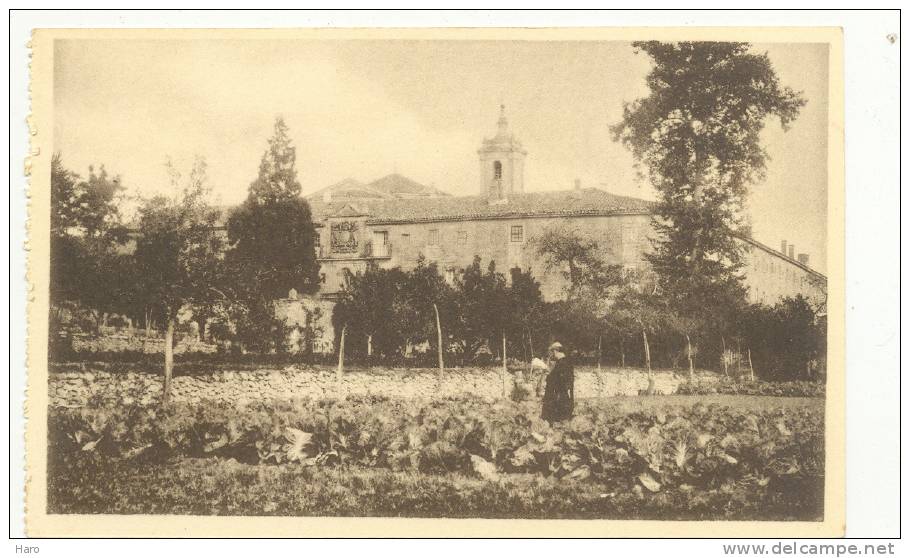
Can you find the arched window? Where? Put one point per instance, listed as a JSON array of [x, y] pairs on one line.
[[497, 170]]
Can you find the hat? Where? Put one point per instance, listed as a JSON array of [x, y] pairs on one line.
[[556, 346]]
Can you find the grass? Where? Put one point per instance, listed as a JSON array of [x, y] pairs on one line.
[[219, 487]]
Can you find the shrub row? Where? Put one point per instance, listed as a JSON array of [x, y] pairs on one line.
[[730, 386]]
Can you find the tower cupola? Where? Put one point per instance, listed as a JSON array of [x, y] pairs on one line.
[[502, 161]]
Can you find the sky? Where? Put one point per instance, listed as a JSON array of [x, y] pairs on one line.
[[366, 108]]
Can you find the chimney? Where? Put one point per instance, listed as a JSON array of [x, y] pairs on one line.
[[578, 184], [783, 247], [790, 251], [803, 259]]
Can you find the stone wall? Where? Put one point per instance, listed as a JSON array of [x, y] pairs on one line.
[[124, 341], [80, 388]]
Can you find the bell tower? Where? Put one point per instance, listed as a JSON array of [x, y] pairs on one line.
[[502, 162]]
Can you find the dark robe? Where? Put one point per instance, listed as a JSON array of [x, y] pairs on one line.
[[559, 394]]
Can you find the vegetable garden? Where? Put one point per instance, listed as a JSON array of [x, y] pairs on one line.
[[662, 457]]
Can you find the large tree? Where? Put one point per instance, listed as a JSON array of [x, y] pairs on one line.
[[366, 308], [177, 255], [482, 307], [272, 238], [592, 284], [525, 312], [697, 135], [425, 296], [88, 266]]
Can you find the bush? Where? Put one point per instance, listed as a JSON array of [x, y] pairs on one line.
[[728, 386], [520, 391], [788, 340]]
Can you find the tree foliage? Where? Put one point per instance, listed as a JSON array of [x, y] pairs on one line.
[[414, 313], [367, 307], [525, 313], [177, 248], [395, 309], [271, 234], [578, 258], [87, 242], [272, 246], [697, 134], [787, 341], [483, 303], [277, 179]]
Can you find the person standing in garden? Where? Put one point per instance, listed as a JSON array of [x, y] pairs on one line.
[[559, 393]]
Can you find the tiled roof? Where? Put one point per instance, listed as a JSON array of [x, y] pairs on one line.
[[392, 186], [587, 201], [349, 188], [781, 255], [402, 186]]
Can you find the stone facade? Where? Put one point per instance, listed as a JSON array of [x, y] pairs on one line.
[[452, 244], [772, 275]]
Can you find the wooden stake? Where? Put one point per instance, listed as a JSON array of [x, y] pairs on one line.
[[439, 338], [505, 368], [689, 354], [340, 369], [530, 343], [724, 356], [644, 335], [751, 371], [168, 361]]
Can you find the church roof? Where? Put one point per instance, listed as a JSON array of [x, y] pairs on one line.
[[349, 188], [392, 186], [504, 140], [403, 187], [581, 202]]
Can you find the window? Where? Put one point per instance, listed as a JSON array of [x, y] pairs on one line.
[[433, 237], [405, 239], [517, 234], [450, 275], [461, 237], [497, 170]]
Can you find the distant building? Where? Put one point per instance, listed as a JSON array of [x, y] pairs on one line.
[[394, 220]]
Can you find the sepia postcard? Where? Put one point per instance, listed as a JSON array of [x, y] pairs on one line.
[[510, 282]]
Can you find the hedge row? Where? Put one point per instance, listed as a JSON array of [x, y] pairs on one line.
[[730, 386]]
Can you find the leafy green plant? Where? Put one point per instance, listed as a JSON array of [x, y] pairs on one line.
[[667, 450]]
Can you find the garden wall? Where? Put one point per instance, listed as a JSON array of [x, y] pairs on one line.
[[140, 343], [92, 387]]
